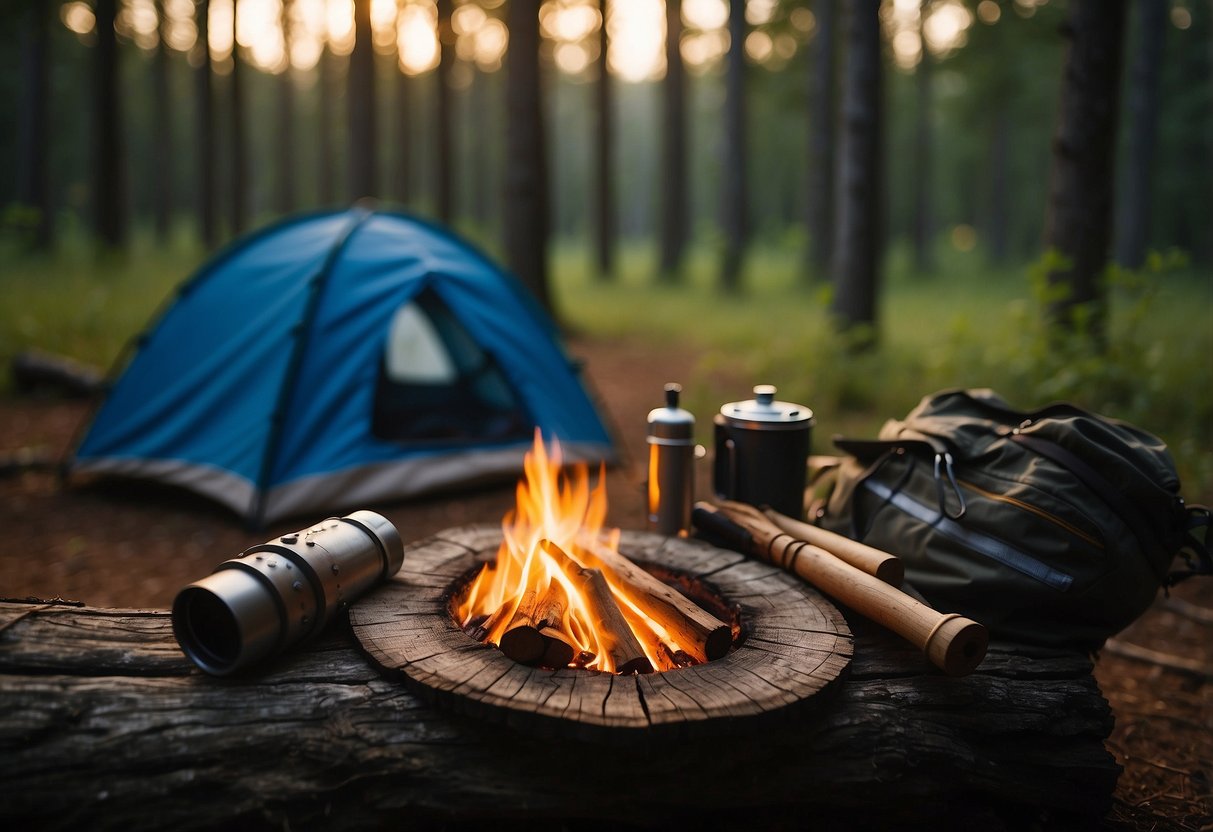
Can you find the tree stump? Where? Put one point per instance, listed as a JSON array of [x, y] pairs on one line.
[[794, 645]]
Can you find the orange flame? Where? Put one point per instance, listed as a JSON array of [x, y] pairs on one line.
[[557, 522]]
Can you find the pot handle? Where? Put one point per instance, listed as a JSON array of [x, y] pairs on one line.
[[724, 463]]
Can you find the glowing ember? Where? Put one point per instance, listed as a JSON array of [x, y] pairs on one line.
[[560, 593]]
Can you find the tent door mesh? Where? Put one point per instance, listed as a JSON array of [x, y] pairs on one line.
[[436, 383]]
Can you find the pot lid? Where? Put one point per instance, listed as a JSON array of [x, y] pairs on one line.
[[764, 408]]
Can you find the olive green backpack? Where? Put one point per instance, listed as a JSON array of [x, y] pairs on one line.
[[1054, 527]]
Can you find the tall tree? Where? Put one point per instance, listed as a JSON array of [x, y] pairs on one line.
[[923, 231], [444, 122], [822, 81], [604, 193], [204, 128], [1133, 226], [284, 146], [162, 129], [33, 168], [673, 147], [857, 237], [360, 93], [736, 197], [479, 158], [239, 146], [109, 157], [1078, 223], [527, 224], [999, 209], [401, 177], [326, 117]]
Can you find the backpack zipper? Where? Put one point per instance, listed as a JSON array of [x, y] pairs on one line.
[[1039, 512], [991, 547]]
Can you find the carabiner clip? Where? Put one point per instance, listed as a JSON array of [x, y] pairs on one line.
[[946, 460]]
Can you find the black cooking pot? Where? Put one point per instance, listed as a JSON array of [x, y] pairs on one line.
[[762, 449]]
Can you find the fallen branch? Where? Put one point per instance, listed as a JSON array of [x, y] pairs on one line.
[[1179, 664]]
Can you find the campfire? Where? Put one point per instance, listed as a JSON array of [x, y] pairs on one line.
[[560, 594]]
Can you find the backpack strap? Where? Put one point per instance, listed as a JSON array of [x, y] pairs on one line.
[[1197, 551]]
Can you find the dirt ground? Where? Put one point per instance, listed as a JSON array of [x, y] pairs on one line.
[[134, 546]]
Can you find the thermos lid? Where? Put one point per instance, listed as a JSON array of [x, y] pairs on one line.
[[671, 421], [763, 412]]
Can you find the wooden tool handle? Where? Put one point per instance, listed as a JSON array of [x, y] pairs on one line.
[[874, 561], [951, 642]]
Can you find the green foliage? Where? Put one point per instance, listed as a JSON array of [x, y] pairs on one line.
[[970, 325], [79, 305]]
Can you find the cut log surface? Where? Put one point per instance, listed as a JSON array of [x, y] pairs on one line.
[[104, 724], [801, 645]]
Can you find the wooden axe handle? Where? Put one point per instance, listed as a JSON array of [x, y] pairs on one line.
[[874, 561], [953, 643]]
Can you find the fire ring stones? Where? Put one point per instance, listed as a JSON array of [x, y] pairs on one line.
[[794, 645]]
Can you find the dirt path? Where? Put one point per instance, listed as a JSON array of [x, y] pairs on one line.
[[136, 545]]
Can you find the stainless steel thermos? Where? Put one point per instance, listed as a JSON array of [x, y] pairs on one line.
[[762, 450], [670, 491]]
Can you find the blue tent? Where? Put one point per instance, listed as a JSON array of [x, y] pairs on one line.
[[336, 360]]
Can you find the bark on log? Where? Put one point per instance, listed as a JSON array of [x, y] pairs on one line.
[[104, 724]]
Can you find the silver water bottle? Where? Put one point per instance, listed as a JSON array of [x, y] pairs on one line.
[[671, 484]]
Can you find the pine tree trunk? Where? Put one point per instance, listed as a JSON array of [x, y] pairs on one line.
[[239, 147], [205, 130], [923, 231], [403, 180], [445, 116], [857, 238], [284, 146], [109, 160], [1000, 209], [736, 199], [1078, 224], [526, 182], [1133, 228], [326, 116], [604, 215], [673, 148], [162, 130], [360, 94], [33, 168], [822, 80]]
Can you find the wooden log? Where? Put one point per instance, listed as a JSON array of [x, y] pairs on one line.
[[883, 565], [534, 634], [953, 643], [522, 640], [627, 656], [695, 629], [558, 651], [105, 725]]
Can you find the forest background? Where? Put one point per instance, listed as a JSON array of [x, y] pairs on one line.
[[679, 167]]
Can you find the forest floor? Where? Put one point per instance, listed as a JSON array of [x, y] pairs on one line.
[[134, 546]]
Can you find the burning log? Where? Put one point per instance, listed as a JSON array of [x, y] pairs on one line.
[[558, 651], [522, 640], [533, 635], [695, 629], [619, 640]]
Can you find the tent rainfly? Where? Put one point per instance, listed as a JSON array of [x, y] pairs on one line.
[[336, 360]]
